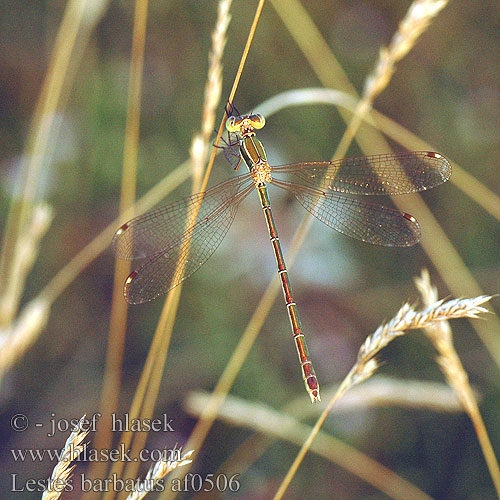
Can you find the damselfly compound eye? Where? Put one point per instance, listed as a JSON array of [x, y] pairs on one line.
[[232, 125], [258, 121]]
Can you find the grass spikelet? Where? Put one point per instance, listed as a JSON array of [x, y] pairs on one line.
[[408, 319], [417, 20], [156, 473], [456, 376], [62, 471], [213, 88]]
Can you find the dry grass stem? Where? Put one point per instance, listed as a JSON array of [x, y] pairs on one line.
[[316, 50], [109, 398], [145, 397], [456, 376], [263, 419], [23, 259], [62, 471], [15, 340], [236, 82], [156, 473], [406, 319], [198, 434]]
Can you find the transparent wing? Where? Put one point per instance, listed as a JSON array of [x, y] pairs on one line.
[[395, 173], [170, 250], [357, 218], [157, 230]]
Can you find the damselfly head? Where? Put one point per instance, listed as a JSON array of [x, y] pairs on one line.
[[245, 123]]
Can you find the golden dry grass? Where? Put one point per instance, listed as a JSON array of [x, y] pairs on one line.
[[60, 478], [21, 327]]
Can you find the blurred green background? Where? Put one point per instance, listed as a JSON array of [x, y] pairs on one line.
[[446, 91]]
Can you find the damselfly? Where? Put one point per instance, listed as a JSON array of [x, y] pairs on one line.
[[332, 191]]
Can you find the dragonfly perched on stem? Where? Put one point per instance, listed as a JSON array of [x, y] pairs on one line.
[[171, 250]]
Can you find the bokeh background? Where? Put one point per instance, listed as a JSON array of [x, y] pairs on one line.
[[446, 91]]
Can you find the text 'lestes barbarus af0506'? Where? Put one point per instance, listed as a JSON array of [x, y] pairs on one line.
[[171, 249]]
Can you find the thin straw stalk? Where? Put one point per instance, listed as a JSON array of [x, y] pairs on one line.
[[119, 307], [236, 81], [201, 423], [456, 376], [145, 397], [263, 419], [78, 20], [378, 392]]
